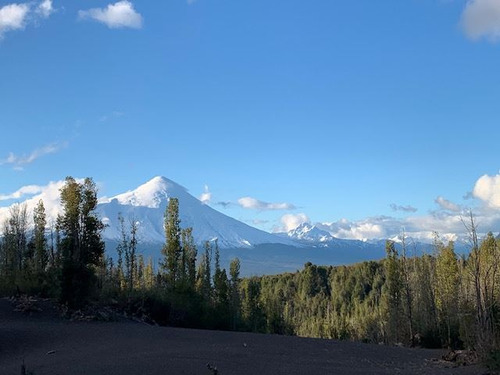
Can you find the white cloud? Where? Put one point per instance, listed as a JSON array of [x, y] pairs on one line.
[[17, 16], [13, 17], [50, 194], [206, 196], [255, 204], [487, 189], [291, 221], [45, 8], [18, 161], [370, 228], [446, 204], [481, 19], [119, 15], [25, 190]]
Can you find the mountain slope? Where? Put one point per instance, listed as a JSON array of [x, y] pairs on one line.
[[147, 205]]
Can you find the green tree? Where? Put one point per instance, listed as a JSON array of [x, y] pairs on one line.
[[39, 239], [16, 257], [251, 308], [234, 292], [393, 291], [127, 251], [204, 278], [81, 245], [447, 288], [189, 254], [172, 251]]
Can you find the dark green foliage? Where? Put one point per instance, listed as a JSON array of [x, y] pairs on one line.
[[234, 293], [493, 360], [77, 282], [81, 247], [127, 268], [172, 251], [392, 294], [39, 239], [189, 254]]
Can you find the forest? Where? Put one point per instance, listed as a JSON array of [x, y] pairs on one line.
[[408, 298]]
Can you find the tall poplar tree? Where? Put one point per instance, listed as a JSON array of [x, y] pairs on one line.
[[81, 244], [447, 287], [189, 254], [393, 292], [39, 239], [172, 250]]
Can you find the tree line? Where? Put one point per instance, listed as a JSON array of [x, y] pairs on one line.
[[433, 300]]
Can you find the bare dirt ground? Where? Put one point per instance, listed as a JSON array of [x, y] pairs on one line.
[[48, 344]]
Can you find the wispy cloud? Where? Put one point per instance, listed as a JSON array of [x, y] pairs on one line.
[[448, 205], [396, 207], [206, 196], [45, 8], [109, 116], [481, 19], [224, 204], [19, 161], [115, 16], [22, 192], [255, 204]]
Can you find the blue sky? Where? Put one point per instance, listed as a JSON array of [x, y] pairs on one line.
[[342, 112]]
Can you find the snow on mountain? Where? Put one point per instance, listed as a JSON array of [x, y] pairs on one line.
[[146, 205]]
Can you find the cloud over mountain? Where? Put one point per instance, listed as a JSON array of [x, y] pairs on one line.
[[255, 204]]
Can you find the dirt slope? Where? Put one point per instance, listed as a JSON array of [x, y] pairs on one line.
[[50, 345]]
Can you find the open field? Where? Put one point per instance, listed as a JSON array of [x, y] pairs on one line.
[[50, 345]]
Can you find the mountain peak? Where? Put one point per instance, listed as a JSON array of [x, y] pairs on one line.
[[151, 194], [160, 183]]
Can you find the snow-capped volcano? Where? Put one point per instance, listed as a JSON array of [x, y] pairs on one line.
[[146, 205]]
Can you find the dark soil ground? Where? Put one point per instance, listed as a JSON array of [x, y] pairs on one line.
[[48, 344]]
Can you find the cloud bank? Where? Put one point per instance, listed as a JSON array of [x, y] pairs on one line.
[[50, 194], [447, 221]]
